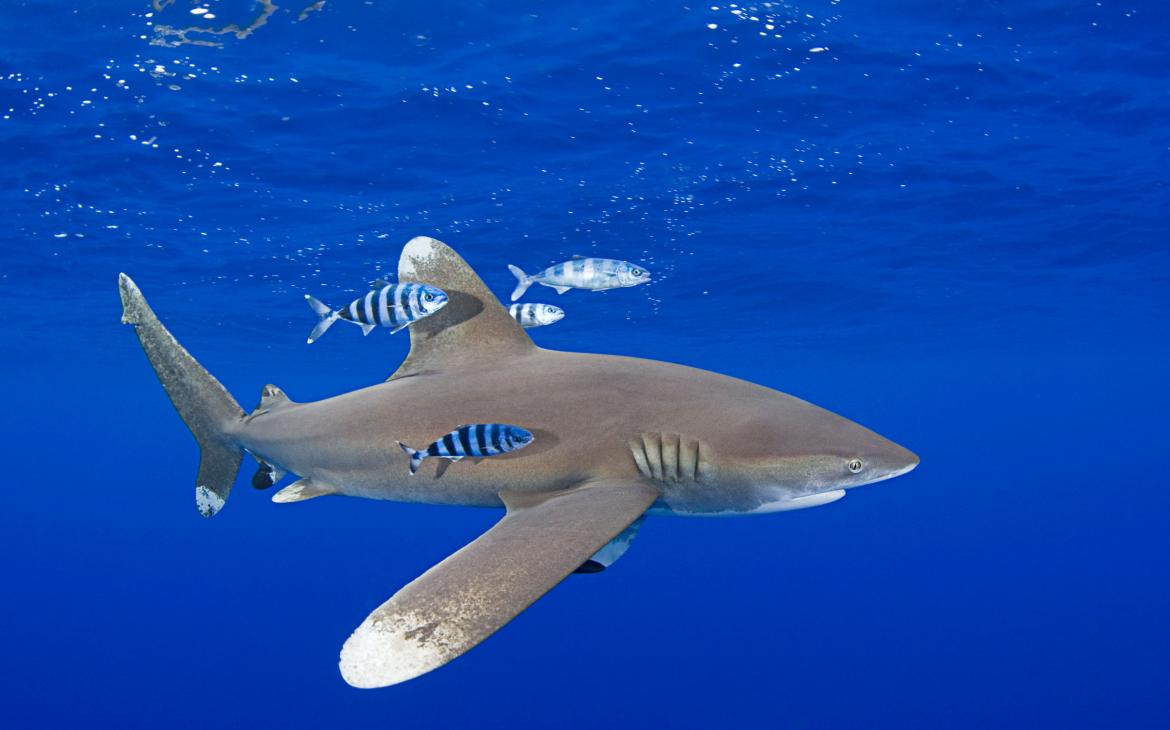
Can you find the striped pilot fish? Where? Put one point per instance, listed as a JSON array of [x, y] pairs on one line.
[[536, 315], [474, 440], [582, 272], [389, 305]]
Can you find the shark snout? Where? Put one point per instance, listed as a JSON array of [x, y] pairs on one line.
[[892, 461]]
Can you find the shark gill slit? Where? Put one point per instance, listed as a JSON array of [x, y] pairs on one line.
[[670, 457]]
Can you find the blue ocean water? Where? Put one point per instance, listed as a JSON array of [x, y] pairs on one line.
[[947, 222]]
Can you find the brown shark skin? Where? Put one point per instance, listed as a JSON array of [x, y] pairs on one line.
[[583, 409], [471, 363]]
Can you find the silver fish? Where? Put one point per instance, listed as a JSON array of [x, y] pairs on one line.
[[582, 272], [389, 305], [536, 315]]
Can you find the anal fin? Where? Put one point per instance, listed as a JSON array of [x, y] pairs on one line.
[[267, 475], [562, 289], [302, 489]]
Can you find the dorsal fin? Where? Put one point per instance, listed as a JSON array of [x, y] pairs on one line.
[[272, 397], [471, 329], [379, 283], [577, 256]]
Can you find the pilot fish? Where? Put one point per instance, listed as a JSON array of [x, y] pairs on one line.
[[389, 305], [536, 315], [473, 439], [582, 272]]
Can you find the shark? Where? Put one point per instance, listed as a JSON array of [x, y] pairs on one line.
[[614, 439]]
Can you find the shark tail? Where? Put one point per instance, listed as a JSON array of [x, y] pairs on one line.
[[327, 315], [204, 404], [523, 281], [416, 456]]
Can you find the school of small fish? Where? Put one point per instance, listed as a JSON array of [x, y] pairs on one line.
[[397, 306]]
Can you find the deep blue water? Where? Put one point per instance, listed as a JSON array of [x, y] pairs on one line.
[[947, 221]]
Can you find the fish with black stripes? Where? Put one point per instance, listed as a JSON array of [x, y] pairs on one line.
[[531, 315], [395, 306], [473, 439], [582, 272]]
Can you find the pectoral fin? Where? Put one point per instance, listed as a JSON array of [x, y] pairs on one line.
[[613, 549], [467, 597]]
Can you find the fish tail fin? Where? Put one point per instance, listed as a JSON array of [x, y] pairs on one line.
[[327, 315], [416, 456], [203, 403], [523, 281]]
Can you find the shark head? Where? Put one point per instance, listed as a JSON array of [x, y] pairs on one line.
[[802, 449], [787, 454]]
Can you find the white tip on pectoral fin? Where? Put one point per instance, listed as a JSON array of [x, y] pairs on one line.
[[384, 651]]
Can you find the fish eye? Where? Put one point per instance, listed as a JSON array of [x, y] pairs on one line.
[[854, 465], [637, 272], [429, 297]]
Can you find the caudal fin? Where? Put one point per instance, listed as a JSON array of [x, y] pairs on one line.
[[523, 281], [327, 315], [205, 405], [416, 456]]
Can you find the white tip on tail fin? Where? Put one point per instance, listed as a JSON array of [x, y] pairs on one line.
[[415, 455], [523, 281], [327, 315]]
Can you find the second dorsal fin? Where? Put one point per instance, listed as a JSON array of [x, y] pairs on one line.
[[272, 397], [473, 328]]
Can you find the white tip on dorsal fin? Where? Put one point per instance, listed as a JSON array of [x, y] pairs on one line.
[[471, 330]]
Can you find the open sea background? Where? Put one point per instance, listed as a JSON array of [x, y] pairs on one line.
[[946, 221]]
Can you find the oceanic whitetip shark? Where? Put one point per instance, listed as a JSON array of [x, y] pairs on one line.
[[615, 438]]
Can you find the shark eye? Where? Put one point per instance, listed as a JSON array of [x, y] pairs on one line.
[[854, 465]]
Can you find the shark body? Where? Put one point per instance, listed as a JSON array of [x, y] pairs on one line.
[[615, 438]]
